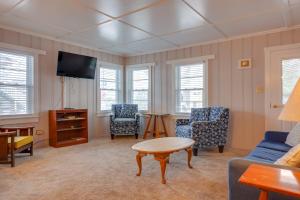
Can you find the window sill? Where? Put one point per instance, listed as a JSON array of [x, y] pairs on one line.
[[19, 119], [103, 114]]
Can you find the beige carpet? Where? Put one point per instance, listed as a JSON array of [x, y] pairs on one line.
[[105, 169]]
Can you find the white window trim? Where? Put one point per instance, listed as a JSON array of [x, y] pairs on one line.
[[34, 117], [188, 61], [129, 68], [104, 113]]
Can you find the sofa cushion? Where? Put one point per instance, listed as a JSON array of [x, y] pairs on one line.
[[265, 154], [184, 131], [199, 114], [21, 141], [274, 145]]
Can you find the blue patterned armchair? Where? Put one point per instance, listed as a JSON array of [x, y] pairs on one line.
[[207, 126], [124, 120]]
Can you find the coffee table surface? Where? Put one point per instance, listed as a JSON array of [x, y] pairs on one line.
[[163, 145]]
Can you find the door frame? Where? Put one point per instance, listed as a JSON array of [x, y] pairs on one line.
[[268, 52]]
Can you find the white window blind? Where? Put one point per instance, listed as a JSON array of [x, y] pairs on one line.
[[190, 87], [290, 75], [109, 88], [139, 87], [16, 83]]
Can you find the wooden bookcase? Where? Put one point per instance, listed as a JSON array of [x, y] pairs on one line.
[[68, 127]]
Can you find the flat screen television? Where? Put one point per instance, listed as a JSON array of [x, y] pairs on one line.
[[74, 65]]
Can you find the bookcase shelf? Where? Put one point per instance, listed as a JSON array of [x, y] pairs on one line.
[[68, 127]]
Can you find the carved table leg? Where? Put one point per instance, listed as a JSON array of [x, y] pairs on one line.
[[189, 151], [139, 162], [162, 158]]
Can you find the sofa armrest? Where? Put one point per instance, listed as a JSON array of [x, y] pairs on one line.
[[237, 191], [276, 136], [180, 122]]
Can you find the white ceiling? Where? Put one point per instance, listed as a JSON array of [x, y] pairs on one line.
[[130, 27]]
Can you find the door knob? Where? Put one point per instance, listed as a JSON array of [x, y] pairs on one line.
[[276, 106]]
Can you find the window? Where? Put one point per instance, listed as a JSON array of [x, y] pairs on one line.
[[190, 87], [138, 85], [16, 83], [290, 75], [109, 85]]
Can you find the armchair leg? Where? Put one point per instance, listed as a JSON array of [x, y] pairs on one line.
[[136, 136], [221, 148], [112, 136], [31, 150], [195, 151]]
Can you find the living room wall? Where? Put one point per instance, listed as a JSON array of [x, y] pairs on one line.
[[229, 86], [80, 93]]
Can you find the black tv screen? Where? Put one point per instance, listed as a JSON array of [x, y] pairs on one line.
[[74, 65]]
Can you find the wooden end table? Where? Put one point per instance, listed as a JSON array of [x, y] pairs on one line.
[[161, 148], [156, 132], [270, 179]]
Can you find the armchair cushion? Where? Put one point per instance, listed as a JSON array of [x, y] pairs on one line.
[[21, 141], [199, 114], [124, 120]]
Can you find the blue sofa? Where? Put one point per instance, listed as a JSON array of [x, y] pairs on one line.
[[266, 153]]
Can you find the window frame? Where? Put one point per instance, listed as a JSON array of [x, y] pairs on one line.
[[189, 61], [35, 103], [129, 71], [98, 95]]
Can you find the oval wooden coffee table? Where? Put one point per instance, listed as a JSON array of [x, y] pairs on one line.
[[161, 148]]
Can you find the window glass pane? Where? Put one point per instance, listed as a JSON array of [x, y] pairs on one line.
[[16, 83], [140, 95], [109, 88], [290, 75], [140, 88], [143, 105], [189, 87]]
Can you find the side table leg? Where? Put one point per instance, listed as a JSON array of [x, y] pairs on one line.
[[162, 158], [263, 195], [139, 162], [147, 127], [190, 154]]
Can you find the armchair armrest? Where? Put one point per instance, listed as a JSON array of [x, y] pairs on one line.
[[138, 117], [276, 136], [180, 122], [8, 134], [112, 117]]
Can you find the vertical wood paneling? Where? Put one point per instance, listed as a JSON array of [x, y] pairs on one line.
[[79, 92], [240, 90], [237, 94], [258, 76]]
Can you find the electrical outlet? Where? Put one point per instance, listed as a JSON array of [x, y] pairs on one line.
[[39, 132]]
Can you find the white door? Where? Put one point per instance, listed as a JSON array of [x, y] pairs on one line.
[[281, 75]]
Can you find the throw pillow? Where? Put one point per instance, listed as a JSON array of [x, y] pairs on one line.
[[293, 137], [291, 158]]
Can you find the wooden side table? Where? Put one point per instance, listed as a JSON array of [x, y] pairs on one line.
[[270, 179], [156, 131]]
